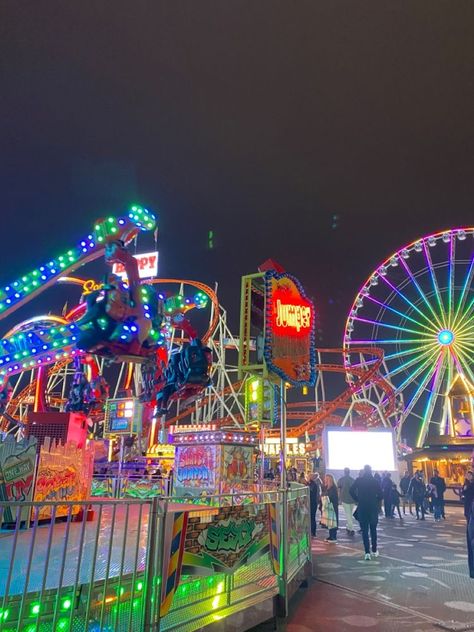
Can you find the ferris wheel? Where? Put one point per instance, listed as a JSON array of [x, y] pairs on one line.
[[418, 306]]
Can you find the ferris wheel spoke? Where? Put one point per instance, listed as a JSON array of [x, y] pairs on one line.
[[463, 362], [421, 293], [407, 352], [399, 313], [407, 300], [420, 388], [465, 288], [427, 365], [430, 404], [451, 271], [380, 323], [391, 341], [435, 284], [429, 354], [466, 316]]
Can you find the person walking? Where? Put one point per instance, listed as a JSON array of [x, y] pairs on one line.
[[344, 485], [387, 494], [367, 493], [396, 501], [432, 495], [330, 507], [314, 496], [406, 499], [417, 489], [440, 484]]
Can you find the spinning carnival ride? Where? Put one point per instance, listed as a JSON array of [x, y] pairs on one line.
[[418, 307], [128, 324]]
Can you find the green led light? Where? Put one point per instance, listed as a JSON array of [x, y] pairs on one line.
[[63, 624], [67, 603], [139, 585], [35, 608], [4, 614]]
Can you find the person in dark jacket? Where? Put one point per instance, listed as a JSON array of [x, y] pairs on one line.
[[387, 494], [467, 494], [417, 490], [396, 501], [330, 490], [314, 496], [367, 493], [404, 485], [440, 484], [470, 541]]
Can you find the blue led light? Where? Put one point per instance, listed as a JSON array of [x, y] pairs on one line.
[[445, 337]]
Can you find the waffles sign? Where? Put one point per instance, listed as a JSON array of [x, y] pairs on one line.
[[289, 330]]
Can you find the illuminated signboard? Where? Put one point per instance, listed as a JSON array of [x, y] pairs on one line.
[[289, 330], [259, 400], [122, 416], [147, 266]]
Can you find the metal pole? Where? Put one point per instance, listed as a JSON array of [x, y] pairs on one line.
[[283, 592], [149, 615], [118, 489]]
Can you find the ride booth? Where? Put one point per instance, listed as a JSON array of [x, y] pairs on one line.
[[211, 462]]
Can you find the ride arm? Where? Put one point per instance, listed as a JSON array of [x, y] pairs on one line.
[[25, 288]]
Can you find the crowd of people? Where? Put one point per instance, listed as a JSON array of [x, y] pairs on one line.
[[370, 495]]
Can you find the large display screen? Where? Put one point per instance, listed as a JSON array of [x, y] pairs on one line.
[[354, 449]]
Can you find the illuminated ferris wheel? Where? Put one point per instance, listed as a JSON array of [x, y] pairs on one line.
[[418, 305]]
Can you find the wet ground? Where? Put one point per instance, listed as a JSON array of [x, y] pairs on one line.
[[419, 583]]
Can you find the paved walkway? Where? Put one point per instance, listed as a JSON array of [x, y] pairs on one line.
[[419, 583]]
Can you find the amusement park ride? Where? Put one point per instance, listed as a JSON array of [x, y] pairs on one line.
[[132, 338]]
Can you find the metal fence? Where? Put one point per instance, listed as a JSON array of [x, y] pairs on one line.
[[130, 486], [154, 564]]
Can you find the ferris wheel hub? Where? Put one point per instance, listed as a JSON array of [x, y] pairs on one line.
[[445, 337]]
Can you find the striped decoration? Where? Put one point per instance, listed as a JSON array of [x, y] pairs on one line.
[[275, 537], [173, 573]]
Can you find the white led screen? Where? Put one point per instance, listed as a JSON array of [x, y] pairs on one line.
[[355, 449]]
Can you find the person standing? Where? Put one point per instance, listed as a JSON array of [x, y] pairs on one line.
[[367, 493], [387, 494], [314, 496], [417, 489], [344, 485], [440, 484], [330, 507], [396, 501], [404, 485], [467, 494]]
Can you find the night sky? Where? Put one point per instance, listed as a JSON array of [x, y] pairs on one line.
[[323, 134]]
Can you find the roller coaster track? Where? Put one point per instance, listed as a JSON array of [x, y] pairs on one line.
[[366, 376]]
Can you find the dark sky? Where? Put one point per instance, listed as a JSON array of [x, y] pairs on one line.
[[322, 134]]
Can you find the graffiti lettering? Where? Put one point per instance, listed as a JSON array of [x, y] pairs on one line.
[[233, 537]]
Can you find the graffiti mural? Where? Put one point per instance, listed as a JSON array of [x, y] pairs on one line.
[[227, 540], [237, 468], [17, 469], [196, 467], [64, 474]]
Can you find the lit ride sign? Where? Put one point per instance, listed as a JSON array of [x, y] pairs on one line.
[[147, 266], [289, 330], [122, 416]]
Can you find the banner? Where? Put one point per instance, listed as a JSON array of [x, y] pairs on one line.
[[289, 330]]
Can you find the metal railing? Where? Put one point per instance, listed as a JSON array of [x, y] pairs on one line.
[[130, 486], [153, 564]]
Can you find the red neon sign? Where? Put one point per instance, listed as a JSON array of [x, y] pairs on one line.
[[292, 315]]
